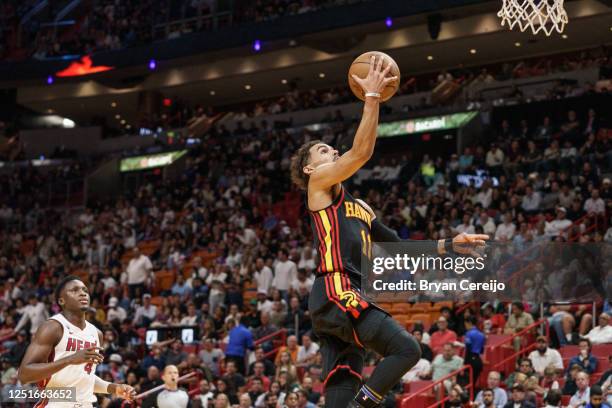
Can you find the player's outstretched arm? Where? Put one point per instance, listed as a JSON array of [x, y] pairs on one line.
[[328, 175], [34, 366], [465, 244]]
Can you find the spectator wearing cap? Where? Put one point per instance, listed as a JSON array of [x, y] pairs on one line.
[[240, 340], [517, 399], [601, 334], [582, 395], [500, 397], [442, 336], [115, 368], [145, 314], [35, 313], [115, 312], [138, 273], [557, 226], [584, 359], [543, 356]]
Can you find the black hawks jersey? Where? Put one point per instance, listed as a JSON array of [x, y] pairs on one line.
[[342, 236]]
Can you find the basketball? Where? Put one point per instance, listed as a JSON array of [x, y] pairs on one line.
[[361, 66]]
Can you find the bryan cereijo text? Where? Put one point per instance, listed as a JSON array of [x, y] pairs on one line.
[[405, 285]]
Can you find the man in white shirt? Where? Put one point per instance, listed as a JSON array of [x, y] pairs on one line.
[[488, 226], [531, 200], [420, 371], [505, 231], [601, 334], [558, 225], [307, 352], [263, 276], [108, 280], [285, 273], [466, 226], [543, 356], [138, 273], [115, 311], [35, 313], [146, 313], [595, 205]]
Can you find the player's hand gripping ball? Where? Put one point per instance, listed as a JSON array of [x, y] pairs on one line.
[[374, 71]]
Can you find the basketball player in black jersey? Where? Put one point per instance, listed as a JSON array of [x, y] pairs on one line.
[[344, 320]]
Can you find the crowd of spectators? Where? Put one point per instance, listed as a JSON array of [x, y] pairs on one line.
[[111, 25]]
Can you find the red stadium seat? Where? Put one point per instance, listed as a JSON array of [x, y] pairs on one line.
[[602, 350], [569, 351]]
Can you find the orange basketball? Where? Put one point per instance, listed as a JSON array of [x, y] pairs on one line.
[[361, 66]]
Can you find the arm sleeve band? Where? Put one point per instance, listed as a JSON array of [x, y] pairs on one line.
[[101, 386], [382, 233]]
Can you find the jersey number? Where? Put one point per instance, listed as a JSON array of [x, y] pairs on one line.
[[367, 244], [88, 367]]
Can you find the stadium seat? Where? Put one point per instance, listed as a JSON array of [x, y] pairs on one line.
[[568, 352], [602, 350], [157, 301]]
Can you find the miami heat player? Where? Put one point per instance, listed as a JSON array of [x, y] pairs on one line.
[[64, 351]]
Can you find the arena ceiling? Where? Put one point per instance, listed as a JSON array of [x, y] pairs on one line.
[[469, 36]]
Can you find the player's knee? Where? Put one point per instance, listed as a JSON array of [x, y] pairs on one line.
[[405, 345]]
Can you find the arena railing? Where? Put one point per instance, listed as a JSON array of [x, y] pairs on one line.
[[280, 335], [438, 387]]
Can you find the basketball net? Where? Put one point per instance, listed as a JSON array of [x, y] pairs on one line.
[[539, 15]]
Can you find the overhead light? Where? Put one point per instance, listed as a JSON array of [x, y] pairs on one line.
[[473, 51], [292, 43], [212, 93], [49, 79], [247, 87], [113, 104], [117, 116], [152, 64], [50, 111], [321, 74], [388, 22], [283, 81], [128, 127], [257, 46], [564, 36], [67, 123], [123, 121], [430, 57], [517, 44]]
